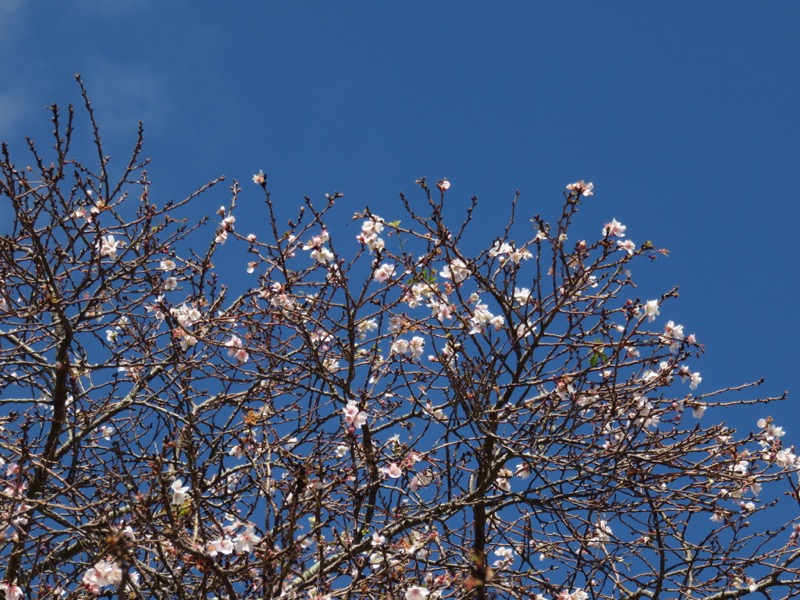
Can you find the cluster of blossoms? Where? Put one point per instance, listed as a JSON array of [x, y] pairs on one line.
[[581, 188], [241, 542], [481, 318], [104, 573], [383, 273], [236, 349], [353, 416], [225, 226], [319, 252], [412, 348], [505, 556], [507, 252], [772, 450], [168, 265], [617, 229], [456, 270], [674, 336], [419, 293], [369, 236], [12, 592], [601, 535], [186, 315], [88, 212]]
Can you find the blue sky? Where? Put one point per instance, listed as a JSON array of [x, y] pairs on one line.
[[683, 115]]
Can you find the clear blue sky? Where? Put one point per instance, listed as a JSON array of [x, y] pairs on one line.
[[684, 115]]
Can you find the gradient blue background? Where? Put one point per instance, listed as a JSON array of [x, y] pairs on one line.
[[685, 116]]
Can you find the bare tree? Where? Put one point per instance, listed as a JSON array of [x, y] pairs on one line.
[[380, 415]]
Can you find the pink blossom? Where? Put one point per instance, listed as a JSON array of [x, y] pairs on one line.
[[456, 270], [221, 545], [614, 228], [416, 592], [102, 574], [179, 492], [12, 592], [236, 349], [353, 416], [628, 246], [392, 471], [260, 178], [383, 273], [246, 541], [109, 245], [581, 188]]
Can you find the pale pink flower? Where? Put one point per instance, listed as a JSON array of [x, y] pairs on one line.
[[392, 471], [522, 295], [353, 416], [416, 347], [614, 228], [260, 178], [416, 592], [246, 541], [369, 233], [179, 492], [383, 273], [443, 185], [12, 592], [420, 480], [236, 349], [109, 246], [365, 327], [456, 270], [103, 573], [628, 246], [221, 545], [651, 310], [581, 188], [170, 283]]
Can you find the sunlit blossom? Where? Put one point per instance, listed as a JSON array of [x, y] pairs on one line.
[[179, 492], [581, 188], [221, 545], [614, 228], [236, 349], [628, 246], [103, 573], [109, 245], [353, 416], [456, 270], [416, 592], [383, 273], [651, 310], [393, 471]]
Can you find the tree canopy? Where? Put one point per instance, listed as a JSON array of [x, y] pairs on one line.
[[375, 412]]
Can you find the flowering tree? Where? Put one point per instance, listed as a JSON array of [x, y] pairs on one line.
[[377, 415]]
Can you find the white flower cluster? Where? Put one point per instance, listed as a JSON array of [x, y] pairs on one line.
[[506, 252], [369, 236], [319, 252]]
